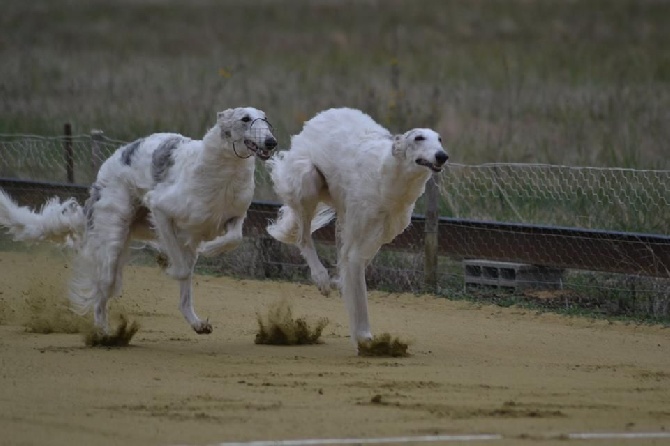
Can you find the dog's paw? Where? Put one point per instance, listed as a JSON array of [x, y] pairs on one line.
[[335, 282], [364, 336], [322, 281], [202, 327]]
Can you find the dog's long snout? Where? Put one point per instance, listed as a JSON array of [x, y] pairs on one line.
[[270, 143], [441, 158]]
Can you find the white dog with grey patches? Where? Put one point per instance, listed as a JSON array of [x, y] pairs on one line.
[[343, 163], [190, 195]]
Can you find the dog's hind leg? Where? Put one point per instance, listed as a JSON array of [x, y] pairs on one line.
[[311, 188], [318, 272], [109, 283], [301, 187], [124, 255], [226, 242], [97, 267]]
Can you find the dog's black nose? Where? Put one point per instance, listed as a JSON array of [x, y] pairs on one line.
[[270, 143], [441, 158]]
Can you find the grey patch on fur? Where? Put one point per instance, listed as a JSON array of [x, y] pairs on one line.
[[162, 159], [129, 151], [94, 196]]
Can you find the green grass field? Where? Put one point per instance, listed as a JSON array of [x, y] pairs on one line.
[[565, 82]]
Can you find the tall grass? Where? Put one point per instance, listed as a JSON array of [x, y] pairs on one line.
[[579, 83]]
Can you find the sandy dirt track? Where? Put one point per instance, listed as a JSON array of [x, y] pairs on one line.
[[474, 369]]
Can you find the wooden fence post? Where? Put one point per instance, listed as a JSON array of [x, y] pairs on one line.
[[430, 236], [69, 155], [96, 151]]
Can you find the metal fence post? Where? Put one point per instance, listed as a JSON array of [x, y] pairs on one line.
[[69, 155], [430, 236], [96, 151]]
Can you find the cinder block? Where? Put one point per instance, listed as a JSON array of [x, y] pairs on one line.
[[511, 275]]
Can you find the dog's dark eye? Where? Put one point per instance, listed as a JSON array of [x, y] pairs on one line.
[[246, 119], [439, 139], [419, 138]]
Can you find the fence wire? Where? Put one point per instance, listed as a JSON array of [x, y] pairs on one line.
[[625, 200], [586, 197], [41, 158]]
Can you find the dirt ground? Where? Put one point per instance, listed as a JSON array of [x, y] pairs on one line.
[[473, 370]]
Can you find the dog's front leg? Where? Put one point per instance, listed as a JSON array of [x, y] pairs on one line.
[[354, 293], [224, 243], [186, 307]]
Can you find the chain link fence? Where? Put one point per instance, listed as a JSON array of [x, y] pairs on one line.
[[587, 197], [40, 158], [634, 202]]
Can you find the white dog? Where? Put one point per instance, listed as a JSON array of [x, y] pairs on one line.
[[191, 195], [343, 163]]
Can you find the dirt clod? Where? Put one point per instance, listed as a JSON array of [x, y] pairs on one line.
[[383, 345], [120, 338], [44, 312], [162, 260], [280, 328]]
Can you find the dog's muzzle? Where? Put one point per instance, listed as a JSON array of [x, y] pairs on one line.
[[265, 152], [269, 144], [440, 160]]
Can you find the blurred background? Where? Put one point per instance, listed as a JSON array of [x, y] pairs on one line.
[[555, 113], [550, 81]]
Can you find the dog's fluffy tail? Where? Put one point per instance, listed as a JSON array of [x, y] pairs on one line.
[[55, 221], [288, 227]]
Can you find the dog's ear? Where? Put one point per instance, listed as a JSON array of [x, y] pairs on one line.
[[399, 146], [225, 115], [224, 119]]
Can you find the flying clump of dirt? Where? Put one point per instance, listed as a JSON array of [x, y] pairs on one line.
[[383, 345], [162, 260], [45, 311], [280, 328], [120, 338], [45, 318]]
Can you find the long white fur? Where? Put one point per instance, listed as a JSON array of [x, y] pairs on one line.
[[343, 163], [191, 196], [56, 221]]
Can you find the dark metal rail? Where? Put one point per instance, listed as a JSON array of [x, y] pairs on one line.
[[561, 247]]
